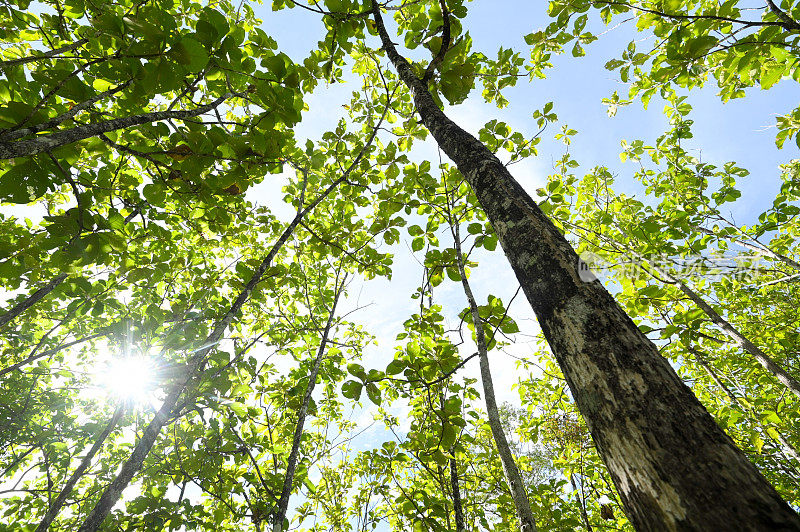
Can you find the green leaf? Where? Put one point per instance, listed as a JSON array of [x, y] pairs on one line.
[[24, 182], [357, 370], [395, 367], [101, 85], [190, 53], [59, 446], [774, 434], [215, 20], [238, 408], [453, 274], [701, 45], [374, 393], [413, 348], [448, 436], [241, 390], [275, 64], [509, 326], [771, 73], [758, 443], [352, 389]]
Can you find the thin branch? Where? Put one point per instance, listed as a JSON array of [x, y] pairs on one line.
[[756, 23], [53, 122], [55, 508], [291, 464], [37, 356]]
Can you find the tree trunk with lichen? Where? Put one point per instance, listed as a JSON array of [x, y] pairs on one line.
[[673, 467]]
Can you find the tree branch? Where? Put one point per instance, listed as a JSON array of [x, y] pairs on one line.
[[25, 148], [47, 55], [11, 135], [446, 38], [788, 22], [792, 25], [31, 300], [55, 508], [291, 463]]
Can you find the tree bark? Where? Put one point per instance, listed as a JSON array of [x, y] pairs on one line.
[[581, 503], [46, 55], [53, 122], [673, 467], [457, 506], [31, 300], [789, 23], [291, 463]]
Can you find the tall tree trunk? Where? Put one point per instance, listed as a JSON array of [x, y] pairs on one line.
[[291, 463], [513, 477], [55, 508], [31, 300], [458, 507], [673, 467]]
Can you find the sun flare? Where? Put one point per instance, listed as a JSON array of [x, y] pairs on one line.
[[129, 378]]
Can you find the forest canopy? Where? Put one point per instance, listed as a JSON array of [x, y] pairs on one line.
[[231, 301]]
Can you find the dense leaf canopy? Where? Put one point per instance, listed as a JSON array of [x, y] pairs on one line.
[[133, 136]]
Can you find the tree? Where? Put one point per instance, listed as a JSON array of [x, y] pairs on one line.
[[751, 291], [138, 129]]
